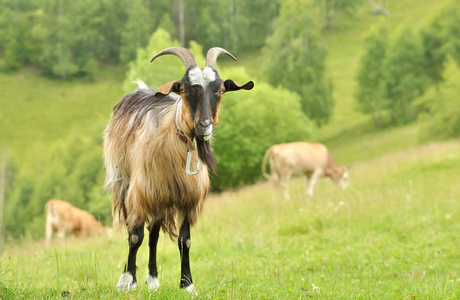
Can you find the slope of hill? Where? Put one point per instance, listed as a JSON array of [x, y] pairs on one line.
[[36, 111]]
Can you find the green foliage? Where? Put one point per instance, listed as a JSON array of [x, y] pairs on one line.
[[163, 70], [438, 42], [295, 57], [236, 25], [71, 170], [404, 76], [16, 40], [136, 31], [329, 9], [250, 122], [435, 50], [443, 120], [369, 94], [450, 17], [68, 39]]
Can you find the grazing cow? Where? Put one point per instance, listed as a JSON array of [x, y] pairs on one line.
[[63, 218], [302, 158]]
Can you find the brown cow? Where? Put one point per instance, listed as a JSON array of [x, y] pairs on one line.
[[63, 218], [305, 158]]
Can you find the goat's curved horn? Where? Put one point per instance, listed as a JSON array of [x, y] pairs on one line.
[[187, 57], [213, 53]]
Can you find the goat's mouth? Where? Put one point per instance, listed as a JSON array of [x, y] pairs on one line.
[[204, 133]]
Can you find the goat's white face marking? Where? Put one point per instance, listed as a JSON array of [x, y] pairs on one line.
[[202, 77], [208, 133], [188, 243]]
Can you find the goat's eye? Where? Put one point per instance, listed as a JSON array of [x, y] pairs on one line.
[[222, 91], [182, 90]]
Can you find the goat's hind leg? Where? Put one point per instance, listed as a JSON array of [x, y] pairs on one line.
[[152, 276], [128, 278], [184, 244]]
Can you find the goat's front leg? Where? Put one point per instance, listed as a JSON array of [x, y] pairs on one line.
[[184, 243], [128, 278], [152, 276]]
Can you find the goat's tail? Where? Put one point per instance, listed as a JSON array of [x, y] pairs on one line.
[[141, 84], [264, 163]]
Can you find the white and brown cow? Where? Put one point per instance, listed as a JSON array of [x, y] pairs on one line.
[[302, 158], [64, 218]]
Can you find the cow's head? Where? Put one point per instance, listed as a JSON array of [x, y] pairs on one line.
[[201, 90]]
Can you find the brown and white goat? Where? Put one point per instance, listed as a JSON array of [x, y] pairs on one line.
[[146, 145], [64, 218], [310, 159]]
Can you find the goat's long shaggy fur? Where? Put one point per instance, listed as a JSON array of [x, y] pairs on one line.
[[141, 137]]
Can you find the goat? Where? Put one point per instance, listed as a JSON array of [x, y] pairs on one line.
[[147, 143], [310, 159], [62, 218]]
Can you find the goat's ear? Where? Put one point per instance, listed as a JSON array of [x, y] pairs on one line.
[[173, 86], [231, 85]]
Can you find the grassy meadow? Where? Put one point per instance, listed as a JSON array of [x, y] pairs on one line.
[[393, 234]]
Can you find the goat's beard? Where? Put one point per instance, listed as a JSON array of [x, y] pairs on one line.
[[206, 155]]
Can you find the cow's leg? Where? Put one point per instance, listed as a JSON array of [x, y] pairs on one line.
[[184, 243], [128, 278], [152, 276], [307, 181], [48, 231], [284, 181], [313, 179]]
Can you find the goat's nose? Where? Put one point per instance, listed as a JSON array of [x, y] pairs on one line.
[[205, 122]]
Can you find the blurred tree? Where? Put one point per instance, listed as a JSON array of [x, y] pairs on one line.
[[443, 121], [330, 8], [164, 69], [17, 212], [136, 30], [295, 58], [370, 93], [449, 18], [56, 57], [143, 17], [434, 49], [253, 22], [404, 77], [17, 42], [235, 25]]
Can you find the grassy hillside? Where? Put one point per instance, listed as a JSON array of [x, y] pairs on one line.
[[36, 110], [391, 235], [345, 48]]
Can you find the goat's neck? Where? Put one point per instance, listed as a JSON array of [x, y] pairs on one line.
[[179, 119]]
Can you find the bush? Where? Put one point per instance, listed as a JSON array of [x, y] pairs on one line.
[[250, 122]]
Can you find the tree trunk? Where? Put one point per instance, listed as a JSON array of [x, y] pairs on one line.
[[181, 23]]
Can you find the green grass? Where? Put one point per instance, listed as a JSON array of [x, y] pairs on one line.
[[36, 111], [391, 235]]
